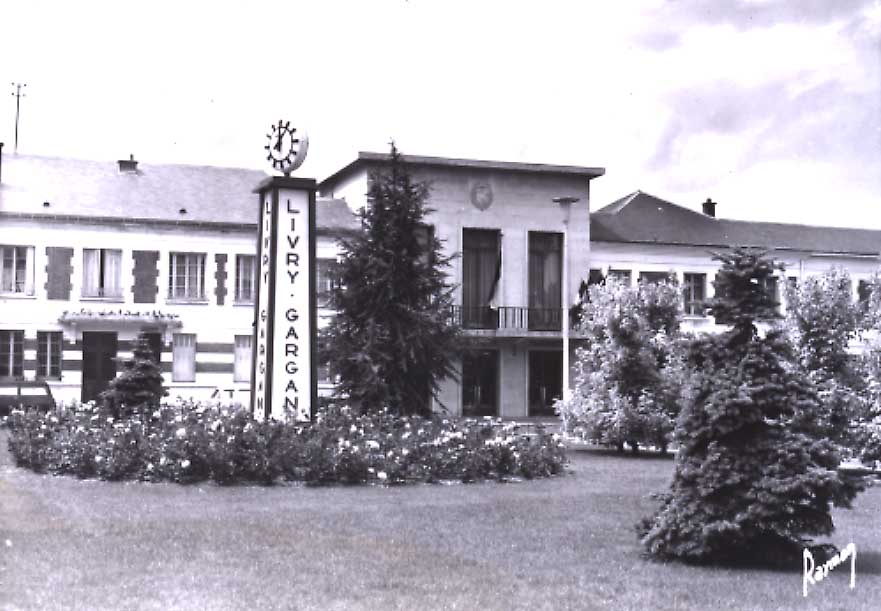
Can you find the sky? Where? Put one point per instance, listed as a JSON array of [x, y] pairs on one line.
[[771, 108]]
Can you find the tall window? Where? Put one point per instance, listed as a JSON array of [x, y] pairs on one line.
[[481, 269], [325, 280], [101, 272], [243, 352], [545, 280], [693, 289], [425, 237], [246, 278], [772, 289], [186, 275], [49, 354], [864, 293], [11, 353], [17, 269], [183, 364]]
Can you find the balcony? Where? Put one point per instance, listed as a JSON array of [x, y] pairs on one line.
[[512, 321]]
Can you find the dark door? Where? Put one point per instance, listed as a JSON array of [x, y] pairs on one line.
[[480, 383], [155, 341], [545, 381], [99, 366]]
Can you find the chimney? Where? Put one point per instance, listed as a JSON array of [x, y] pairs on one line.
[[128, 165], [709, 207]]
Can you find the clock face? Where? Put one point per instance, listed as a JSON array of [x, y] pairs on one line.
[[286, 147]]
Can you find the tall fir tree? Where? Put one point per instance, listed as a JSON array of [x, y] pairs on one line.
[[754, 476], [391, 340], [140, 384]]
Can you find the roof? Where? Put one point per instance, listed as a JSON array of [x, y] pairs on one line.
[[366, 159], [158, 193], [642, 218]]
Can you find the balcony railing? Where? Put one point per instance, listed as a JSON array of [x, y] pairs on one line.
[[511, 318]]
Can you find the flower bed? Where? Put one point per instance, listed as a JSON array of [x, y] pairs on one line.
[[190, 442]]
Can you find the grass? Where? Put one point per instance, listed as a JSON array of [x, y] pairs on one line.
[[561, 543]]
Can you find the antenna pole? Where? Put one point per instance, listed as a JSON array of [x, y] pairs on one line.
[[18, 96]]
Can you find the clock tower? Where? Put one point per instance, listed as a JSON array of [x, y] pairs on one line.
[[284, 369]]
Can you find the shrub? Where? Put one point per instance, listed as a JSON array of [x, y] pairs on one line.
[[629, 375], [140, 384], [190, 442]]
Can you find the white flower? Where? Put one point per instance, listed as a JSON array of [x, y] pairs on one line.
[[405, 451], [156, 414], [181, 433], [372, 445], [149, 466], [99, 459], [382, 475], [215, 425], [405, 435], [353, 428], [184, 464], [162, 461]]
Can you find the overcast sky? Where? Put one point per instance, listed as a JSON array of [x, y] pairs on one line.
[[772, 108]]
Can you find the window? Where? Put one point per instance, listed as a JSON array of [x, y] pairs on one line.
[[481, 270], [246, 278], [864, 293], [545, 281], [425, 238], [694, 293], [325, 372], [186, 276], [325, 281], [17, 269], [49, 354], [772, 289], [621, 275], [11, 353], [183, 367], [101, 272], [653, 277], [243, 352]]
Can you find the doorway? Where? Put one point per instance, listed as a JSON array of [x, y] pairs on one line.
[[480, 383], [99, 364], [545, 381]]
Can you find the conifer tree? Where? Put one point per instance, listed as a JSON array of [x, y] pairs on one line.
[[140, 384], [754, 477], [391, 340]]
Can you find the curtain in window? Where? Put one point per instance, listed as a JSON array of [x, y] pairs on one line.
[[11, 353], [545, 270], [49, 354], [91, 272], [183, 368], [112, 272], [481, 268], [242, 366]]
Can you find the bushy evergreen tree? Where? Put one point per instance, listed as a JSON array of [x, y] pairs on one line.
[[391, 340], [628, 375], [140, 384], [754, 476]]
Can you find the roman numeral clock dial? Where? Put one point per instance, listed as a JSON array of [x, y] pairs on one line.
[[286, 147]]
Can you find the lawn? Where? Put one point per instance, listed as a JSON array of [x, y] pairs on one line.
[[560, 543]]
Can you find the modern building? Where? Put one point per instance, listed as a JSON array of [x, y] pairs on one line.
[[91, 253], [523, 233]]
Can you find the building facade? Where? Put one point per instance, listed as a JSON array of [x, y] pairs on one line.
[[515, 246], [92, 253], [644, 238]]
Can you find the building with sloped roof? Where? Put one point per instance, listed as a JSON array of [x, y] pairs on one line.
[[93, 252], [643, 237]]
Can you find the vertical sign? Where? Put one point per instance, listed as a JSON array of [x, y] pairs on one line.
[[284, 368]]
